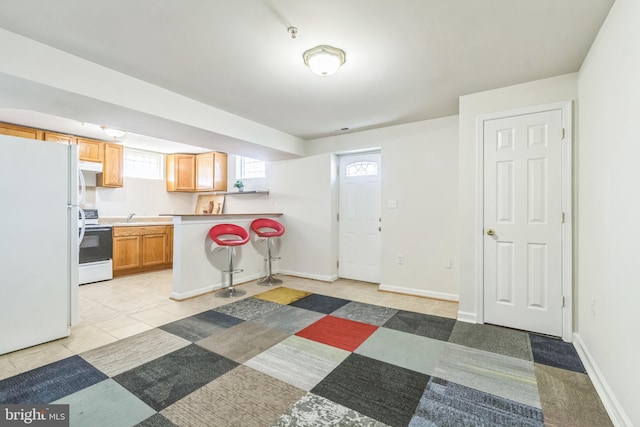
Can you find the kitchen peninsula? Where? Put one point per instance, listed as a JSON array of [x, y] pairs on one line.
[[198, 262]]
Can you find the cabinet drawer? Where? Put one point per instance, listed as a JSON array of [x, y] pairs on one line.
[[139, 231]]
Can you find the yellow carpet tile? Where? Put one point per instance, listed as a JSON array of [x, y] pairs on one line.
[[282, 295]]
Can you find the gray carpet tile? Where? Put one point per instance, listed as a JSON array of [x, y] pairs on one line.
[[320, 303], [367, 313], [202, 325], [569, 399], [171, 377], [123, 355], [493, 373], [248, 308], [105, 403], [243, 341], [314, 410], [379, 390], [555, 352], [496, 339], [449, 404], [409, 351], [242, 397], [298, 361], [288, 319], [157, 420], [50, 382], [421, 324]]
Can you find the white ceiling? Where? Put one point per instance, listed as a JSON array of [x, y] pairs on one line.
[[407, 60]]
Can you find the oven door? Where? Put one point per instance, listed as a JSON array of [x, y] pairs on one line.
[[97, 244]]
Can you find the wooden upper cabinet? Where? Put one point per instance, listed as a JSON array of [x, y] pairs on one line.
[[59, 137], [112, 159], [181, 172], [21, 131], [89, 150], [211, 172]]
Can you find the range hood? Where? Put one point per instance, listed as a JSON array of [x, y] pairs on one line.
[[90, 166]]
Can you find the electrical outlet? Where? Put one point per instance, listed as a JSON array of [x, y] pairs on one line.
[[593, 306], [400, 259]]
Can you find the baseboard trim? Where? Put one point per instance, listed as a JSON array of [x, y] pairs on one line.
[[467, 317], [201, 291], [419, 292], [319, 277], [618, 416]]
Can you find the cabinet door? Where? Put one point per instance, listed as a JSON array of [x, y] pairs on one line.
[[211, 172], [220, 172], [89, 150], [111, 175], [205, 166], [154, 249], [59, 137], [126, 252], [181, 172], [20, 131]]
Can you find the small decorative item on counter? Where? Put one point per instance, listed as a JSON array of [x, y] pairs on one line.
[[239, 185]]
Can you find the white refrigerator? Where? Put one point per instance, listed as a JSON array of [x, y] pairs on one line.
[[38, 241]]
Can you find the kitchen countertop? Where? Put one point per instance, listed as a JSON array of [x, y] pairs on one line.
[[136, 221], [140, 223], [226, 215]]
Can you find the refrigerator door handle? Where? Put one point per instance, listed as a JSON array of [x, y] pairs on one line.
[[82, 195], [83, 226]]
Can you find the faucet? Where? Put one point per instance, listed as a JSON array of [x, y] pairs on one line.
[[130, 216]]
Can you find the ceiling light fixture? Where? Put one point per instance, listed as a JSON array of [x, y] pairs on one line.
[[113, 133], [324, 60]]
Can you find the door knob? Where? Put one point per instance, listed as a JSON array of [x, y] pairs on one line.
[[379, 228], [491, 232]]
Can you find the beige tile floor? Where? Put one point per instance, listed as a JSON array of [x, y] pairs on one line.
[[116, 309]]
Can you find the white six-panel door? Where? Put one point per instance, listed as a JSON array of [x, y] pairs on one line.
[[523, 222], [359, 217]]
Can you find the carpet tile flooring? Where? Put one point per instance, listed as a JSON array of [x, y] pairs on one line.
[[338, 332], [288, 357]]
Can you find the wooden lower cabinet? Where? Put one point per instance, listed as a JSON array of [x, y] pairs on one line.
[[144, 248]]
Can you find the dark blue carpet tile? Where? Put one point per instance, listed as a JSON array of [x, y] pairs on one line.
[[157, 420], [555, 352], [320, 303], [50, 382], [385, 392], [169, 378], [425, 325], [449, 404], [202, 325]]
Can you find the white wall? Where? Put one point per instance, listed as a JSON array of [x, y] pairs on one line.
[[144, 197], [555, 89], [609, 207], [301, 189], [419, 171]]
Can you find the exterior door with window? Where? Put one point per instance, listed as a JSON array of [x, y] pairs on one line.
[[359, 217], [523, 222]]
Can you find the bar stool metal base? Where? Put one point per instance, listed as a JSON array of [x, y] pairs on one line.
[[269, 281], [230, 293]]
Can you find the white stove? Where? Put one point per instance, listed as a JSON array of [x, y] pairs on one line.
[[96, 250]]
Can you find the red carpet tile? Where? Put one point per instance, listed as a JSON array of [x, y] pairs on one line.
[[338, 332]]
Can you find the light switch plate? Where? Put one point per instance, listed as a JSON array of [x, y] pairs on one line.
[[392, 204]]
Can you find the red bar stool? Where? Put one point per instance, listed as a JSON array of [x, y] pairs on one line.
[[229, 236], [268, 228]]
